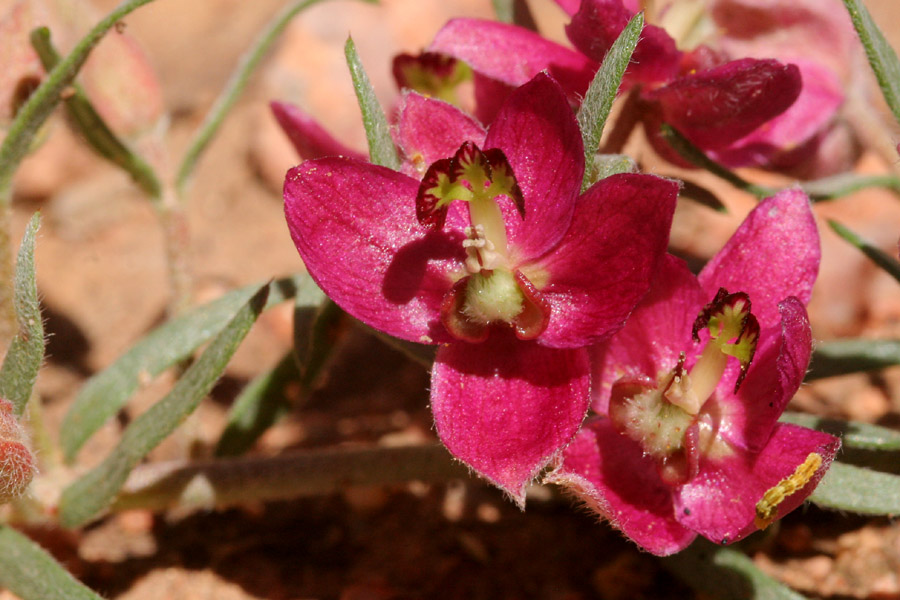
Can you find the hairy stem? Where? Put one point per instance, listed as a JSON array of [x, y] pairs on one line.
[[218, 483]]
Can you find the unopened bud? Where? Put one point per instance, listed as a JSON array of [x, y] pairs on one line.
[[16, 461]]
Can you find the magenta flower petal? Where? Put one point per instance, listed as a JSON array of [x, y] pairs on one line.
[[777, 371], [611, 475], [658, 329], [716, 107], [506, 407], [597, 25], [569, 6], [604, 264], [773, 254], [512, 54], [355, 227], [306, 134], [721, 503], [821, 97], [429, 130], [490, 94], [539, 135]]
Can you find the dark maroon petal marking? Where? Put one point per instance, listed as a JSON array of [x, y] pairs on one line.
[[454, 318], [502, 175], [467, 158], [428, 73], [711, 308], [535, 315], [428, 210]]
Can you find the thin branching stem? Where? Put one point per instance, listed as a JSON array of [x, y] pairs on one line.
[[227, 482], [18, 140]]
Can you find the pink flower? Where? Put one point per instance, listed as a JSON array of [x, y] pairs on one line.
[[813, 138], [429, 74], [497, 257], [714, 101], [692, 388]]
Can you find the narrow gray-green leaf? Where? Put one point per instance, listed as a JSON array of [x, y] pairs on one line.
[[603, 89], [92, 126], [725, 574], [612, 164], [838, 186], [503, 10], [29, 572], [41, 103], [328, 327], [108, 391], [378, 132], [697, 157], [853, 434], [266, 399], [93, 492], [420, 353], [701, 195], [858, 490], [26, 352], [514, 12], [236, 84], [878, 256], [881, 56], [260, 405], [841, 357]]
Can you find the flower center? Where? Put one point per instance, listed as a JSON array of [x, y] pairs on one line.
[[667, 418], [493, 290], [432, 74]]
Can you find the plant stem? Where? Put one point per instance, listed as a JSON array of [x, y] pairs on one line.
[[18, 140], [177, 238], [218, 483], [233, 89]]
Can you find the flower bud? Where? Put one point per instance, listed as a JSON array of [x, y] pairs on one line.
[[16, 460]]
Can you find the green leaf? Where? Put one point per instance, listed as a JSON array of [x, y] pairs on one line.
[[838, 186], [329, 325], [378, 132], [90, 494], [603, 89], [697, 157], [26, 352], [858, 490], [29, 572], [878, 256], [881, 56], [514, 12], [612, 164], [92, 126], [503, 9], [235, 86], [725, 574], [259, 406], [265, 400], [701, 195], [108, 391], [841, 357], [854, 435], [41, 103], [421, 353]]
